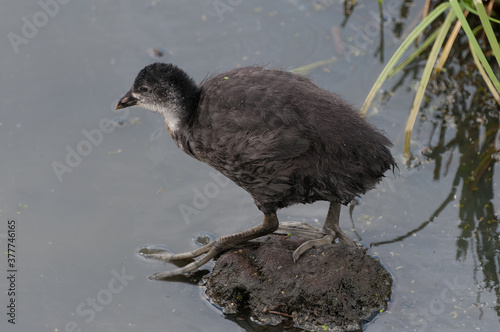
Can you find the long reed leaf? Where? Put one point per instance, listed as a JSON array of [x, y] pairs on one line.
[[303, 70], [485, 76], [483, 16], [474, 44], [426, 43], [400, 51], [449, 43], [426, 74], [473, 11]]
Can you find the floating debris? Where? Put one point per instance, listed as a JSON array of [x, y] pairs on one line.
[[156, 52], [110, 152], [135, 121]]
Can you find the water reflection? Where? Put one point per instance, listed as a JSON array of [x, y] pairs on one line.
[[464, 121], [471, 109], [465, 125]]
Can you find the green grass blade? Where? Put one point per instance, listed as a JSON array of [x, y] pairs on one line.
[[304, 70], [485, 76], [474, 44], [424, 80], [415, 54], [487, 28], [449, 44], [400, 51], [468, 6]]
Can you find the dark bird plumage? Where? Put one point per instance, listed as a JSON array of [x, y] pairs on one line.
[[275, 134]]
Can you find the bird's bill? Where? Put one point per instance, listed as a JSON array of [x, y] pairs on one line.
[[126, 101]]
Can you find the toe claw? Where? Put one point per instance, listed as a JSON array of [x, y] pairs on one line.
[[190, 268], [161, 275], [327, 239]]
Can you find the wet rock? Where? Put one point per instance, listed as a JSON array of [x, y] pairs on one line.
[[332, 288]]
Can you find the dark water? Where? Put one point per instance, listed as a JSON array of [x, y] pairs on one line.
[[85, 196]]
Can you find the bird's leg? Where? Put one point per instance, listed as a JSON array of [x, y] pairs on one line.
[[332, 230], [221, 244], [332, 224]]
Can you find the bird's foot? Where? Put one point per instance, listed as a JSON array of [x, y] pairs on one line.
[[318, 237], [327, 239], [213, 248], [300, 229], [154, 253], [190, 268], [343, 238]]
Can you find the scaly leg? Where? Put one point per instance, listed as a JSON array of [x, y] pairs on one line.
[[221, 244], [332, 224]]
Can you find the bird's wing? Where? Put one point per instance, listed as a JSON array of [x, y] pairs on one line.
[[242, 138], [250, 120]]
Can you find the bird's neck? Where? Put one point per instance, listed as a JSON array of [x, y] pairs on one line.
[[179, 118], [173, 118], [180, 113]]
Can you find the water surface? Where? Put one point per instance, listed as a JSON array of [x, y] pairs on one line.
[[82, 218]]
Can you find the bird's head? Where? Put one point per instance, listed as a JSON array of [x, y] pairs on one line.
[[166, 89]]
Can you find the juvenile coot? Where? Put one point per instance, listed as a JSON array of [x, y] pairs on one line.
[[275, 134]]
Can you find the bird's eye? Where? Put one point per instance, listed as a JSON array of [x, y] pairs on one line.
[[143, 89]]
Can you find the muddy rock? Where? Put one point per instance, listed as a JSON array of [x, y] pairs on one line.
[[331, 288]]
